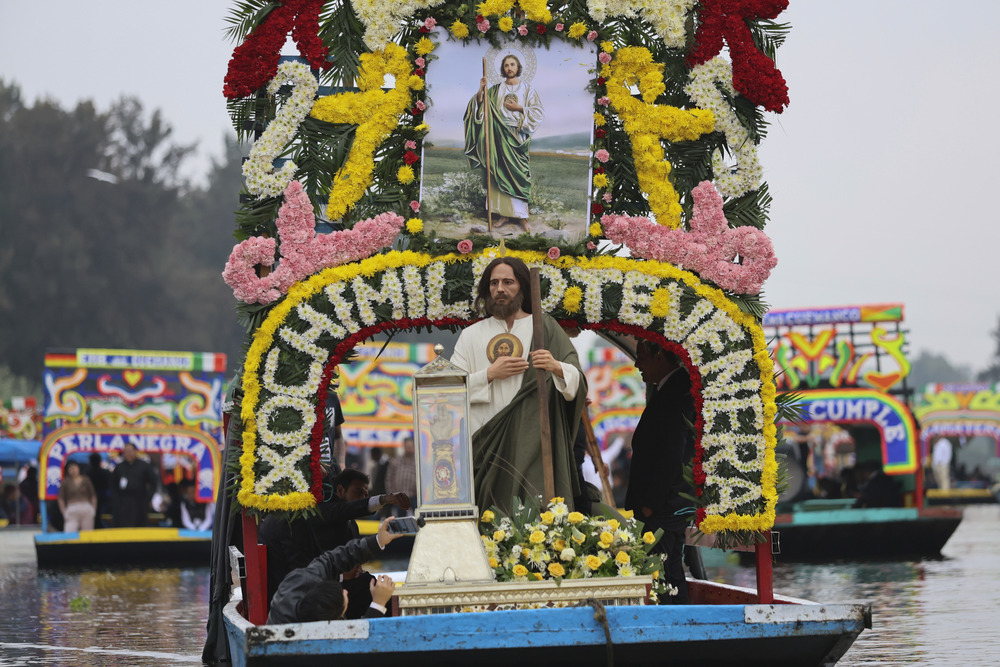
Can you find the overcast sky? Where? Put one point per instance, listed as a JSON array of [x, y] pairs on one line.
[[882, 168]]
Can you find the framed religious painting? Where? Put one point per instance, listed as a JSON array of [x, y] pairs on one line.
[[509, 146]]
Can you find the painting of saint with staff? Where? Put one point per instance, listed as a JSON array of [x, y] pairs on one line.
[[509, 147], [499, 123]]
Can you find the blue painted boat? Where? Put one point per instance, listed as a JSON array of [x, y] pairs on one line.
[[723, 626]]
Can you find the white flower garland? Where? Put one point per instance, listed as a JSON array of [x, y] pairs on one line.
[[668, 17], [257, 170], [702, 88], [721, 348], [382, 19]]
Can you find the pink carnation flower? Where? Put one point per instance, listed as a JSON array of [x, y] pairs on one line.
[[604, 101], [415, 205], [559, 27], [420, 105], [420, 62], [465, 246], [602, 155], [522, 30], [430, 22], [410, 144], [591, 245], [553, 253], [483, 25], [592, 35], [604, 57]]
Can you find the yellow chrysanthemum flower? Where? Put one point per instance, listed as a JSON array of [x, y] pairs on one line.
[[414, 225], [537, 537], [595, 229], [405, 174], [520, 570], [577, 30], [593, 562], [660, 304], [572, 300], [599, 119], [601, 180], [459, 30], [648, 537], [488, 516], [607, 47], [423, 46], [623, 558], [557, 570], [506, 24]]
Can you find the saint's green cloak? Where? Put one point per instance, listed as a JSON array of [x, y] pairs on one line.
[[507, 450], [508, 154]]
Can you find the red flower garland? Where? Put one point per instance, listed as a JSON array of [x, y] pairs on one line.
[[255, 61], [754, 74], [317, 433]]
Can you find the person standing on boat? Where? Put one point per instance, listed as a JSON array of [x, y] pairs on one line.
[[77, 500], [503, 398], [662, 444], [941, 463], [133, 482], [316, 592]]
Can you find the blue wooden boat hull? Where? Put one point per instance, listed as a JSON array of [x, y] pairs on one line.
[[127, 547], [701, 634]]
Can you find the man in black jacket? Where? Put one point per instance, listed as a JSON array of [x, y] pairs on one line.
[[662, 443], [315, 593], [295, 545], [133, 482]]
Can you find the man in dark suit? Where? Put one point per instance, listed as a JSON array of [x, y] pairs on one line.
[[662, 444]]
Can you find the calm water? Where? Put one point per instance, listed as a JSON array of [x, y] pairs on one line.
[[936, 612]]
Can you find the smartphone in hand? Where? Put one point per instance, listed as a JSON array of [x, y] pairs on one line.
[[403, 525]]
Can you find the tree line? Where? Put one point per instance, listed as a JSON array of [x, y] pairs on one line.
[[103, 243]]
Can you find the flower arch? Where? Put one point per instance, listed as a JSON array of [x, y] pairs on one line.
[[325, 315]]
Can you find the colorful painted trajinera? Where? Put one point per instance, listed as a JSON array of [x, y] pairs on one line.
[[849, 366], [554, 132], [961, 412], [167, 404]]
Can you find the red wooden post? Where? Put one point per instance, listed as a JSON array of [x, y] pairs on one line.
[[765, 575], [256, 562]]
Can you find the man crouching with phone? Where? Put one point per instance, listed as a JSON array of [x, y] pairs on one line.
[[315, 592]]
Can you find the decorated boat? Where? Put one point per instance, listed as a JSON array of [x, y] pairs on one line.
[[610, 147], [169, 406], [968, 416], [848, 366]]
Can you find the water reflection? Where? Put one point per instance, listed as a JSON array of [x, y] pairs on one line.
[[935, 612], [932, 612], [126, 617]]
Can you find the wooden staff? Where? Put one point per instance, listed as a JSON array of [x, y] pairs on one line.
[[486, 127], [538, 343], [595, 455]]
